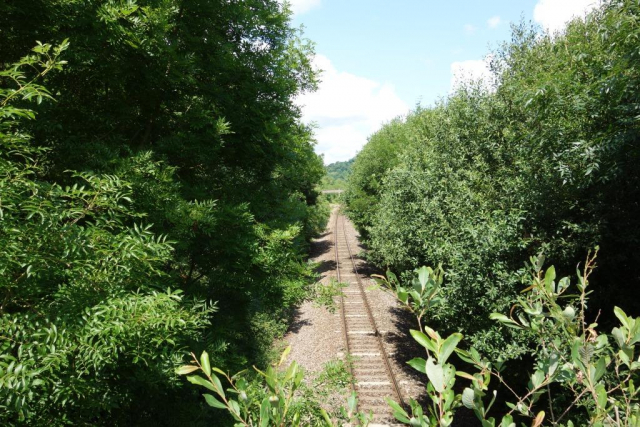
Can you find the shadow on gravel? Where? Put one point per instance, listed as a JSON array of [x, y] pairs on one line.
[[297, 323], [406, 347], [320, 247], [323, 235], [325, 267], [365, 268]]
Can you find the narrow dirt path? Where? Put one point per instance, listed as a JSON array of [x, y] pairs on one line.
[[317, 335]]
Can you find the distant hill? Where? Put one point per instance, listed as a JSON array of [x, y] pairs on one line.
[[337, 175]]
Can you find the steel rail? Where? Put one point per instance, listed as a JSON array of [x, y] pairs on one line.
[[383, 352], [342, 311]]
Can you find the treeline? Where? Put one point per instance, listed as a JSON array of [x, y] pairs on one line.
[[337, 175], [542, 159], [157, 192]]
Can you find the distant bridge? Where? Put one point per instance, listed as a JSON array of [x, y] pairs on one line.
[[332, 191]]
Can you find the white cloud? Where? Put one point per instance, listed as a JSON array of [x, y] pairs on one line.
[[302, 6], [469, 29], [471, 70], [554, 14], [494, 21], [347, 109]]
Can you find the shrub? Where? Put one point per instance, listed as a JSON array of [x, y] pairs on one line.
[[85, 300], [542, 159], [581, 376]]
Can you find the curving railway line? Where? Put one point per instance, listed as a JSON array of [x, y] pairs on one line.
[[374, 379]]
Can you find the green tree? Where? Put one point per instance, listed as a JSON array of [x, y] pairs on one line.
[[337, 175], [542, 160], [85, 302], [378, 156], [179, 114]]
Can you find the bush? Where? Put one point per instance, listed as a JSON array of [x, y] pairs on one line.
[[174, 113], [86, 301], [581, 376], [542, 159], [277, 396]]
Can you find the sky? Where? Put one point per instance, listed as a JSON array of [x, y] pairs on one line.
[[382, 58]]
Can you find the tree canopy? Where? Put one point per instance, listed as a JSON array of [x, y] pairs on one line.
[[337, 174], [158, 190], [542, 159]]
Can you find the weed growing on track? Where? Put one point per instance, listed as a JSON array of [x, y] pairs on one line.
[[325, 294]]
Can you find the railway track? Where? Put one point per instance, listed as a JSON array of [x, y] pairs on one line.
[[373, 376]]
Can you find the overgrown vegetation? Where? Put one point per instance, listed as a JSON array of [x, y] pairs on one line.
[[158, 191], [325, 294], [277, 397], [579, 376], [337, 175], [544, 158], [161, 202]]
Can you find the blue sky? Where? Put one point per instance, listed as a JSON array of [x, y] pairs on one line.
[[383, 57]]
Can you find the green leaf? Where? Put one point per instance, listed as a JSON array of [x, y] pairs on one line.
[[619, 336], [204, 361], [423, 276], [403, 296], [391, 276], [212, 401], [419, 364], [270, 377], [563, 284], [601, 393], [326, 418], [504, 319], [186, 369], [554, 359], [423, 340], [218, 385], [235, 408], [507, 421], [195, 379], [537, 378], [285, 353], [416, 296], [549, 277], [468, 398], [600, 368], [220, 371], [352, 401], [464, 355], [396, 408], [575, 355], [622, 316], [265, 407], [291, 371], [448, 346], [435, 374], [626, 354]]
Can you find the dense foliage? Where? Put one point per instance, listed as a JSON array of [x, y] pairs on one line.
[[379, 155], [278, 396], [580, 375], [543, 159], [337, 175], [158, 190], [170, 178]]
